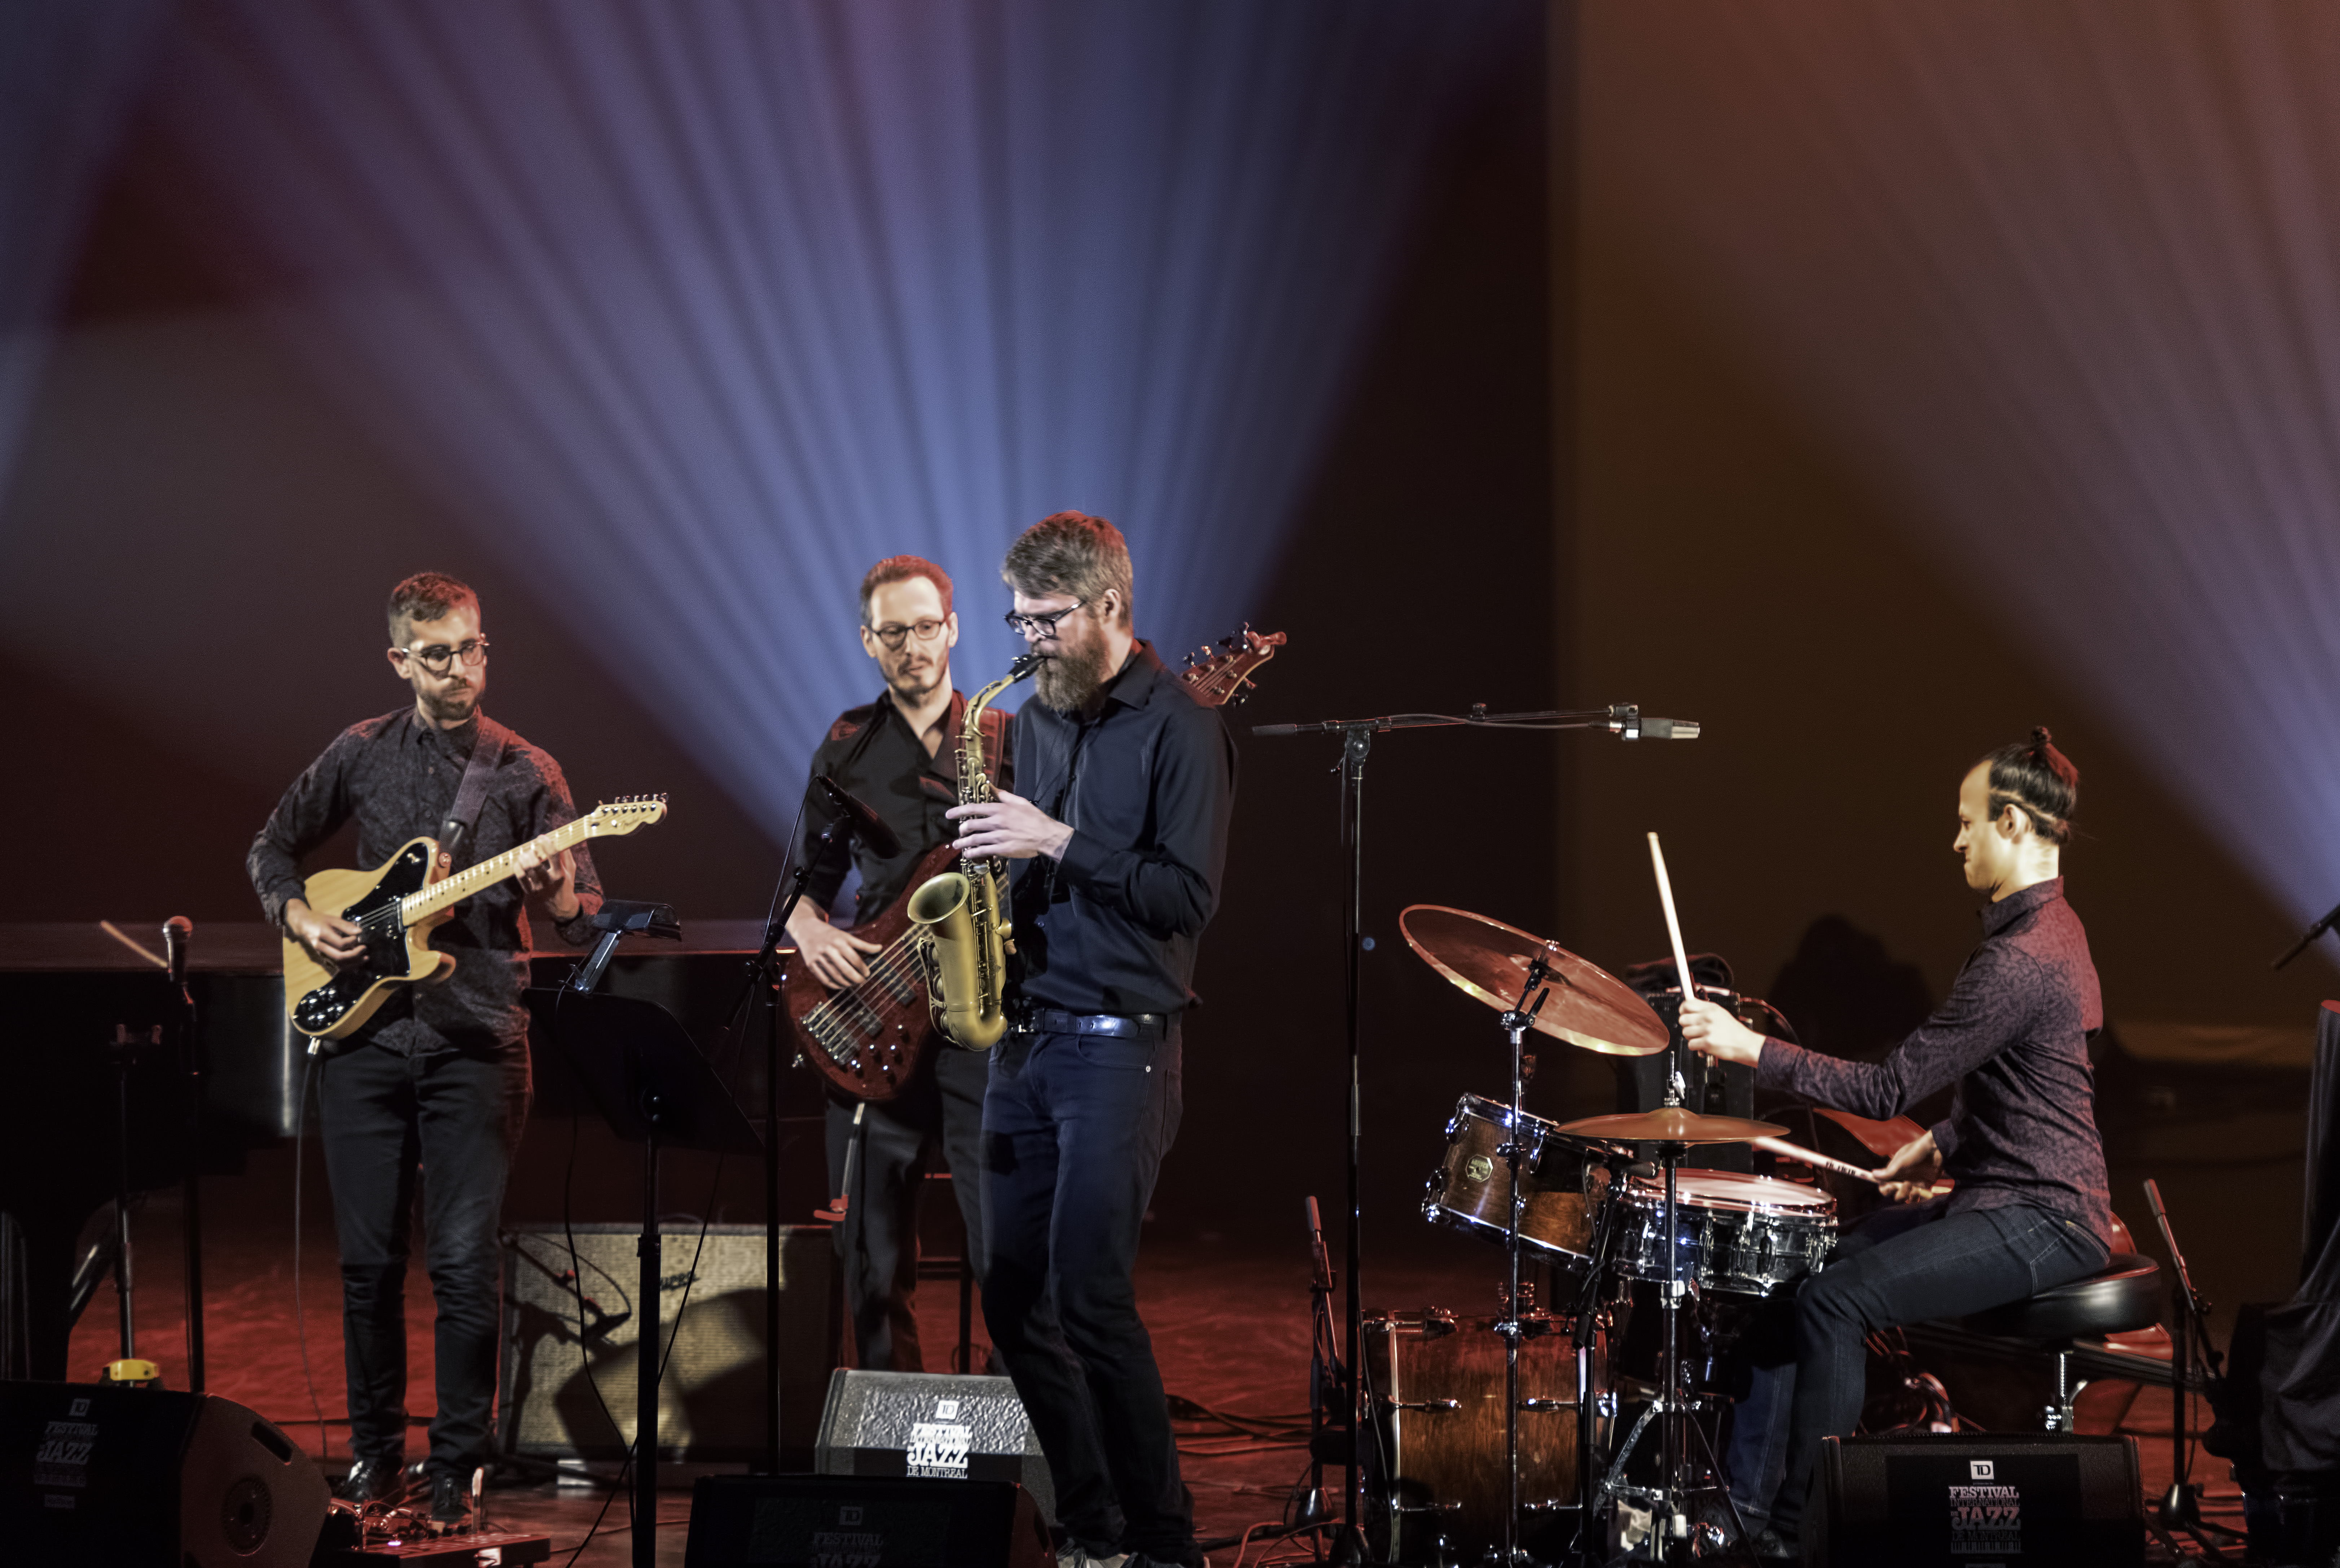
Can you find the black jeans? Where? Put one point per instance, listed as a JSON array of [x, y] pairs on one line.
[[455, 1117], [877, 1244], [1908, 1264], [1075, 1128]]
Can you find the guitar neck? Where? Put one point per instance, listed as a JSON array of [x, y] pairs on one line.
[[455, 890]]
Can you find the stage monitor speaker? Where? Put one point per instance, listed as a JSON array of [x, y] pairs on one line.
[[924, 1423], [1972, 1499], [97, 1476], [899, 1521], [711, 1403]]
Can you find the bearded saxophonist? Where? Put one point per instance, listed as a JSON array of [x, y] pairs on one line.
[[1120, 843]]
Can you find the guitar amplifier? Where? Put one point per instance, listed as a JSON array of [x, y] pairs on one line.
[[1972, 1500], [103, 1476], [564, 1391], [937, 1425]]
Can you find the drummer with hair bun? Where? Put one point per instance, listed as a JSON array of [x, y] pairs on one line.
[[2031, 1207]]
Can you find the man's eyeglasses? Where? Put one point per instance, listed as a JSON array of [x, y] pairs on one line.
[[893, 636], [1040, 625], [437, 658]]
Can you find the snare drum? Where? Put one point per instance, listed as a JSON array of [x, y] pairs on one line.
[[1744, 1233], [1472, 1187]]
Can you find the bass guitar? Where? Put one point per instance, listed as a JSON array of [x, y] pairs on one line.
[[868, 1038], [396, 906]]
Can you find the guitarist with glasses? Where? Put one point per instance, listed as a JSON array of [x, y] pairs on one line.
[[900, 754], [436, 1081]]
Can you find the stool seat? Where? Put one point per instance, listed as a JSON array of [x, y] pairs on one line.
[[2122, 1296]]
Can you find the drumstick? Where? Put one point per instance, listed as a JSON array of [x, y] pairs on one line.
[[1781, 1146], [1673, 925]]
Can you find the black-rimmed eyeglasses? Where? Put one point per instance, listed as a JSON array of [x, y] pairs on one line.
[[437, 658], [1040, 625], [893, 636]]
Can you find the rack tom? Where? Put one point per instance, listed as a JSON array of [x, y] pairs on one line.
[[1471, 1190]]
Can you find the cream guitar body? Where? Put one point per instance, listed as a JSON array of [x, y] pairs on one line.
[[397, 905]]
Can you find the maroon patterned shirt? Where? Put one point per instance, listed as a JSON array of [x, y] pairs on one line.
[[2013, 1035]]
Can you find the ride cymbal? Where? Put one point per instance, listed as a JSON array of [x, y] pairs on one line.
[[1587, 1006], [1669, 1124]]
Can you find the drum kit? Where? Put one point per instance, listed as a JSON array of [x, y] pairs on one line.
[[1607, 1205]]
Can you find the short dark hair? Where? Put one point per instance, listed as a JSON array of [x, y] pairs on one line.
[[901, 568], [426, 596], [1070, 553], [2038, 781]]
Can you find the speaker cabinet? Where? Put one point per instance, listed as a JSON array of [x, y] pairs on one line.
[[931, 1424], [818, 1521], [92, 1477], [1972, 1499], [571, 1395]]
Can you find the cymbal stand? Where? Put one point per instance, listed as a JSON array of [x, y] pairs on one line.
[[1516, 1022]]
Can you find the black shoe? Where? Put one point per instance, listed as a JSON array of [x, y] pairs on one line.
[[450, 1502], [371, 1481], [1771, 1546]]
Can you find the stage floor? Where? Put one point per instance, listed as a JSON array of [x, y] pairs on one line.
[[1230, 1327]]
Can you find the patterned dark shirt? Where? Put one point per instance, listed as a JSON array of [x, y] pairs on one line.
[[1148, 787], [2013, 1035], [398, 775]]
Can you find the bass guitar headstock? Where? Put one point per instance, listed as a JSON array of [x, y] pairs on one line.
[[1218, 677]]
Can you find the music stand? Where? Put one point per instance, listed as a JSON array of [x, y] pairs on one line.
[[653, 1087]]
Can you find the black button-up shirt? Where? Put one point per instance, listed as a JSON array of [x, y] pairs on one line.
[[1148, 787], [398, 776], [889, 769], [2013, 1035]]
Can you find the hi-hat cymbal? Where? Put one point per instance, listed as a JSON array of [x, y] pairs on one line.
[[1669, 1124], [1587, 1006]]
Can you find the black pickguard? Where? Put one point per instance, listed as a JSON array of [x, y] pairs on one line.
[[386, 955]]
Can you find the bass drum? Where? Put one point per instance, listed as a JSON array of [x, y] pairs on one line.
[[1437, 1389], [1471, 1190]]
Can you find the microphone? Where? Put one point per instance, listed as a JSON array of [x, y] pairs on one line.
[[177, 931], [1625, 719], [865, 821]]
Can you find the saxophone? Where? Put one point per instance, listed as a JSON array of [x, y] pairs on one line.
[[960, 918]]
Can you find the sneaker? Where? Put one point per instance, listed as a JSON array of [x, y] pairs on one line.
[[373, 1480]]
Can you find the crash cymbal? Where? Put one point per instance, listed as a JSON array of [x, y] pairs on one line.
[[1587, 1006], [1669, 1124]]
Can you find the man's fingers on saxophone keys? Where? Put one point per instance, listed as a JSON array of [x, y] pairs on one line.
[[1009, 826]]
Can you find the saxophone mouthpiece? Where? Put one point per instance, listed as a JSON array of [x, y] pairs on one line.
[[1023, 665]]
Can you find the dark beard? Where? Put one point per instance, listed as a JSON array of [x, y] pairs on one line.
[[1068, 681]]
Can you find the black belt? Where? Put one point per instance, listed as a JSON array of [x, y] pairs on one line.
[[1119, 1026]]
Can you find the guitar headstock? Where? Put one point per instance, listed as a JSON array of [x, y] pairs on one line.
[[1218, 675], [616, 818]]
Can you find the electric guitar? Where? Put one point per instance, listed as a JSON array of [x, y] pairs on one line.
[[868, 1038], [397, 904]]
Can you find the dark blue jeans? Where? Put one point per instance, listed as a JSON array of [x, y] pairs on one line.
[[454, 1120], [1075, 1128], [1907, 1264]]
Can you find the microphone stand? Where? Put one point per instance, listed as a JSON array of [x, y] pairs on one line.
[[1623, 719], [2331, 916]]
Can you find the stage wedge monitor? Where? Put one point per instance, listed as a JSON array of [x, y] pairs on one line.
[[1963, 1499], [901, 1521], [92, 1477], [564, 1386], [940, 1426]]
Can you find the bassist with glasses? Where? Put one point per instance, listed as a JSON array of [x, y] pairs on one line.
[[900, 754]]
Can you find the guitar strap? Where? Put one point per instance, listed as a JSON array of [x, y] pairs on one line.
[[455, 833]]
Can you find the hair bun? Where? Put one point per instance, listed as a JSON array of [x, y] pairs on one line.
[[2040, 737]]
